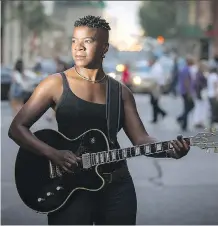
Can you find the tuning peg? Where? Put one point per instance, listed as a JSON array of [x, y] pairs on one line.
[[215, 150], [205, 129], [213, 130]]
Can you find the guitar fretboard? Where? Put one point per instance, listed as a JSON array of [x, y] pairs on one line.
[[122, 154]]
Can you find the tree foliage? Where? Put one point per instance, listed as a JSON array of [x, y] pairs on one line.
[[32, 15], [32, 18], [158, 18]]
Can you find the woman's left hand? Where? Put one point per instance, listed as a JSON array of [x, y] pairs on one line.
[[180, 148]]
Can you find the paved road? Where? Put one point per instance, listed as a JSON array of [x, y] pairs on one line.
[[181, 191]]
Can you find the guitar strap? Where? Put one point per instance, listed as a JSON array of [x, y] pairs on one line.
[[113, 108]]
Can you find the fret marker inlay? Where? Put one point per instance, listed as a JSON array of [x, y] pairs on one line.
[[159, 147], [124, 153], [97, 158], [147, 149], [107, 157], [113, 155], [101, 157], [137, 151]]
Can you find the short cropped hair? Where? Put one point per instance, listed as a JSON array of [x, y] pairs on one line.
[[92, 22]]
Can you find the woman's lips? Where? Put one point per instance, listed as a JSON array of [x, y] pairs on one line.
[[80, 57]]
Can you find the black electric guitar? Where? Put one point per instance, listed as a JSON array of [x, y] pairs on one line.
[[44, 188]]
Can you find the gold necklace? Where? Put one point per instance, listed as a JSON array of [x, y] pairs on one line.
[[88, 79]]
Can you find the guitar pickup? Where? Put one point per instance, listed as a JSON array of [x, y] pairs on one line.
[[86, 161]]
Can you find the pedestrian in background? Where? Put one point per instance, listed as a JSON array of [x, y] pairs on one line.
[[16, 92], [186, 90], [200, 83], [212, 92], [126, 75], [157, 76], [175, 72]]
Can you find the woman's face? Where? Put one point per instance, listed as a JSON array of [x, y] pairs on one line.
[[88, 46]]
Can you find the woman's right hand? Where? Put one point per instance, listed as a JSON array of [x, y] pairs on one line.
[[65, 159]]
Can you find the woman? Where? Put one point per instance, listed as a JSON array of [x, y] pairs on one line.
[[79, 99]]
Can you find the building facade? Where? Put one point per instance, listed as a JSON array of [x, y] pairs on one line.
[[207, 19], [215, 25], [11, 36], [50, 43], [194, 17]]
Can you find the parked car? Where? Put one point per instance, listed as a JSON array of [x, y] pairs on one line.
[[111, 71], [6, 78], [140, 80]]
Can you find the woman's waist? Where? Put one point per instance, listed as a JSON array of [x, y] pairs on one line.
[[112, 167]]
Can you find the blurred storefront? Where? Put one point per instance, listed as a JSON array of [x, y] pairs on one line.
[[197, 21], [49, 43], [11, 34]]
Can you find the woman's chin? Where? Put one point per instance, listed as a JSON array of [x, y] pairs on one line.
[[87, 65], [80, 63]]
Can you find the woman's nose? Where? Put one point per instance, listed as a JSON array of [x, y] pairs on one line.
[[79, 46]]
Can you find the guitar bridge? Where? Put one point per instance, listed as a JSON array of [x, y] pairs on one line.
[[86, 161]]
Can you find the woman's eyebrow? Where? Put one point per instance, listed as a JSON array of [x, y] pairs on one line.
[[94, 38]]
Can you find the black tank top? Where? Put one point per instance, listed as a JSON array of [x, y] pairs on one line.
[[75, 116]]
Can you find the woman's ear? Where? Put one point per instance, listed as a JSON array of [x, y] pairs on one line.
[[106, 48]]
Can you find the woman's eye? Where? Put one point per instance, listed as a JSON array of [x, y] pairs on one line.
[[88, 41], [73, 41]]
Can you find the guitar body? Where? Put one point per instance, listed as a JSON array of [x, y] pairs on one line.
[[43, 187]]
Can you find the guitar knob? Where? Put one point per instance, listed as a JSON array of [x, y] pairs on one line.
[[92, 140], [40, 199], [49, 194], [58, 188]]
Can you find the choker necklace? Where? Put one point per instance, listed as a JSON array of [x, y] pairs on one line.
[[88, 79]]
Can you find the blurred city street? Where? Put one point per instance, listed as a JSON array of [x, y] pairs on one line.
[[166, 54], [168, 191]]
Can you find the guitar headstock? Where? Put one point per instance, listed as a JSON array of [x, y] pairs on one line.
[[206, 140]]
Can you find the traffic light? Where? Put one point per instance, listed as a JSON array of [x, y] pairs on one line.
[[160, 39]]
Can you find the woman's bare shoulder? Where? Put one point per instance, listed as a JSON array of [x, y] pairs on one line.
[[51, 80]]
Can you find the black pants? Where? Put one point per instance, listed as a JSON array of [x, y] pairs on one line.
[[188, 106], [114, 204], [214, 110], [173, 87], [156, 108]]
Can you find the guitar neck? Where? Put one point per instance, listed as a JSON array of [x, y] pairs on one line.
[[125, 153]]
